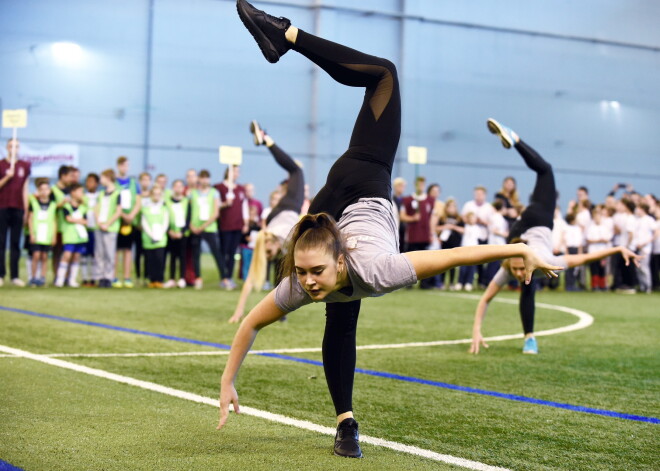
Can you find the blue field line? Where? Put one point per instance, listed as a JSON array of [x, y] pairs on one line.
[[4, 466], [379, 374]]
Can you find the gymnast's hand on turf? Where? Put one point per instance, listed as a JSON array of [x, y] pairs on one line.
[[533, 262], [236, 318], [228, 395], [629, 255], [477, 342]]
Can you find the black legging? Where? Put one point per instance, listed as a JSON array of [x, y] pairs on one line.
[[295, 191], [540, 212], [364, 171]]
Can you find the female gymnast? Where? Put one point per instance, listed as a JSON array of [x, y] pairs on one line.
[[358, 257], [534, 228], [280, 221]]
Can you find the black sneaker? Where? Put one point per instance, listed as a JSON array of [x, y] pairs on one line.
[[347, 439], [257, 133], [267, 30]]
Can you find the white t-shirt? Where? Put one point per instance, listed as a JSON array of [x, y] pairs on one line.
[[470, 235], [558, 228], [573, 236], [92, 200], [656, 241], [483, 213], [598, 232], [644, 234], [497, 224], [583, 218]]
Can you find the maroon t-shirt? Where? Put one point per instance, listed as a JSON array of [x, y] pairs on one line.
[[419, 232], [231, 218], [255, 203], [11, 195]]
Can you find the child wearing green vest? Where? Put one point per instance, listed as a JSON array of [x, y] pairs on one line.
[[108, 212], [60, 192], [155, 222], [178, 206], [130, 204], [42, 229], [74, 236], [204, 210]]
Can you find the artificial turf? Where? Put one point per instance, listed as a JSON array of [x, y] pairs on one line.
[[56, 419]]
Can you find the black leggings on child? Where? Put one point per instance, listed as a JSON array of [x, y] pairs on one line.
[[363, 171]]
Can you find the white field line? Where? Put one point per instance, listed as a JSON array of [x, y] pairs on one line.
[[584, 320], [281, 419]]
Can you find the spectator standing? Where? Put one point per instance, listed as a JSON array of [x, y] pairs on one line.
[[234, 220], [416, 213], [482, 210], [643, 244], [140, 260], [179, 207], [130, 205], [573, 241], [626, 225], [42, 225], [13, 209], [253, 202], [155, 221], [191, 184], [655, 258], [598, 236], [108, 214], [204, 207], [88, 267], [498, 231], [471, 233], [451, 230], [60, 192], [508, 195], [399, 190], [74, 237]]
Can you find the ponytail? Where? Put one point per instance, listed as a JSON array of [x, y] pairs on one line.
[[317, 231], [259, 262]]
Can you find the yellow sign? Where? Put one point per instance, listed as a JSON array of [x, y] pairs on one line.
[[14, 118], [417, 155], [231, 155]]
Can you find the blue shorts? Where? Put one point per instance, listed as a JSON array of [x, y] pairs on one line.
[[89, 245], [74, 248]]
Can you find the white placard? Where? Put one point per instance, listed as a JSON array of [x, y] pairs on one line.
[[417, 155], [231, 155], [42, 234], [105, 209], [204, 209], [179, 217], [126, 198], [14, 118]]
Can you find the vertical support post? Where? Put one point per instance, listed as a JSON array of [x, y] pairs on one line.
[[147, 87]]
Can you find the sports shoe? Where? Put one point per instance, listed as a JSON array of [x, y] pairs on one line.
[[257, 132], [128, 283], [267, 30], [506, 135], [2, 282], [181, 283], [468, 287], [59, 284], [73, 284], [117, 284], [530, 347], [169, 284], [18, 283], [199, 284], [347, 439]]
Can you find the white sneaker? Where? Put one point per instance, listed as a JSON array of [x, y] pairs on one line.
[[169, 284], [18, 283], [457, 287], [2, 282], [181, 283], [468, 287], [73, 284], [59, 284], [199, 284]]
